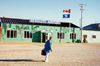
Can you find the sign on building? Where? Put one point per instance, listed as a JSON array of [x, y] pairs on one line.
[[44, 21]]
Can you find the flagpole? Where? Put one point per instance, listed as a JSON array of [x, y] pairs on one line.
[[69, 31], [81, 5], [67, 16]]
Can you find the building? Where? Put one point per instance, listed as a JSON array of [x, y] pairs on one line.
[[92, 33], [26, 30], [93, 27]]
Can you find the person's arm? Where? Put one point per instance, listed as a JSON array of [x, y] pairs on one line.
[[50, 47]]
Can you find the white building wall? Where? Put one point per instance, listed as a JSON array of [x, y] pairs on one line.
[[89, 34]]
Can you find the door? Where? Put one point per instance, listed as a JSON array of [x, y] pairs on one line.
[[43, 37], [46, 37]]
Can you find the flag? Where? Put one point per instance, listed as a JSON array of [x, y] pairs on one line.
[[66, 15], [67, 11]]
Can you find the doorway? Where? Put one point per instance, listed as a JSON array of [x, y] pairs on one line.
[[45, 37]]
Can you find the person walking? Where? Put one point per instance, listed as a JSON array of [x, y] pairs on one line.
[[48, 48]]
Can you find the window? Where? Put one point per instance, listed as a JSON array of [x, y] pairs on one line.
[[11, 34], [93, 36], [24, 34], [60, 35], [8, 33], [72, 35], [84, 36], [28, 34], [63, 35], [15, 34]]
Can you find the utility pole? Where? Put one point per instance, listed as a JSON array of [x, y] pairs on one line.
[[81, 5]]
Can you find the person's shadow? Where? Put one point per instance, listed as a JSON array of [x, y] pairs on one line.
[[18, 60]]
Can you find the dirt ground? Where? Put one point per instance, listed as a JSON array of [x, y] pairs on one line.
[[64, 54]]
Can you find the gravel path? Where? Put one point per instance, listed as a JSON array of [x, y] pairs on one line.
[[62, 55]]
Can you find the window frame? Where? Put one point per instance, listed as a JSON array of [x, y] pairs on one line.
[[10, 34], [58, 35], [61, 35], [26, 34], [72, 37], [93, 35]]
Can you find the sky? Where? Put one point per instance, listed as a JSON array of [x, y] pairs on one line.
[[52, 10]]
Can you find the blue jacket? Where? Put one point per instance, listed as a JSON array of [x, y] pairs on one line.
[[47, 46]]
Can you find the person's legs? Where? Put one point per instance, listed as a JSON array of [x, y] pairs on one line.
[[46, 57]]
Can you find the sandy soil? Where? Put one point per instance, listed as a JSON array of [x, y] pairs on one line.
[[64, 54]]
